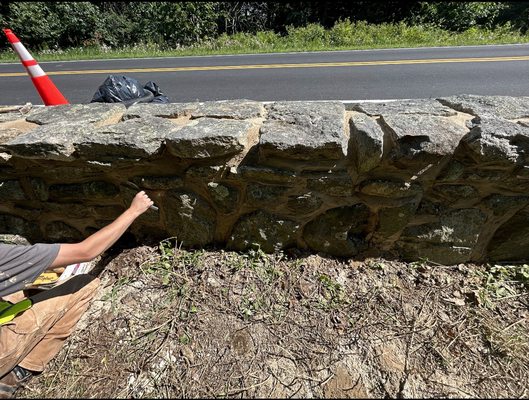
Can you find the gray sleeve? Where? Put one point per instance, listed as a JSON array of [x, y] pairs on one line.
[[21, 265]]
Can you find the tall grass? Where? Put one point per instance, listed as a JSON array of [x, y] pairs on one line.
[[344, 35]]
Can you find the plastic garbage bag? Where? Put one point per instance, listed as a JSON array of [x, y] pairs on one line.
[[127, 90], [159, 97]]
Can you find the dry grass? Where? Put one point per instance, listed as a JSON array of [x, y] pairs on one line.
[[208, 324]]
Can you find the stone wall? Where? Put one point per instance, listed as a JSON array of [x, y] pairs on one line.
[[444, 179]]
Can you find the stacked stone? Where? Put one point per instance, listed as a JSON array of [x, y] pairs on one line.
[[443, 179]]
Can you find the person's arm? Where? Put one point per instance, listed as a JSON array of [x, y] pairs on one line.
[[97, 243]]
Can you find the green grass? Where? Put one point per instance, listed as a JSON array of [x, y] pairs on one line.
[[344, 35]]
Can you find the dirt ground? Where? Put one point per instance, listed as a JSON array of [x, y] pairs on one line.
[[172, 323]]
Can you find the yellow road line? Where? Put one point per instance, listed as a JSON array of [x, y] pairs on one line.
[[294, 65]]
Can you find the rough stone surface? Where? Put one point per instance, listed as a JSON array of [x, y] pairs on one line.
[[502, 106], [136, 138], [53, 142], [267, 175], [189, 218], [451, 239], [511, 240], [12, 224], [83, 191], [419, 106], [339, 231], [340, 184], [209, 138], [495, 140], [393, 219], [501, 205], [455, 192], [270, 232], [163, 110], [225, 197], [262, 195], [232, 109], [11, 116], [412, 136], [304, 131], [415, 179], [11, 190], [367, 141], [78, 114], [304, 204], [14, 239], [58, 231], [389, 188]]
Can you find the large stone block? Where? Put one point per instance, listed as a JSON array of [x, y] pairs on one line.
[[456, 226], [189, 218], [392, 220], [502, 106], [233, 109], [304, 131], [51, 142], [414, 106], [422, 139], [338, 184], [163, 110], [511, 240], [448, 241], [497, 141], [367, 142], [339, 231], [77, 114], [270, 232], [131, 139], [208, 138]]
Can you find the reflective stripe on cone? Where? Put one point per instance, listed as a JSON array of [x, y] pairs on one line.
[[44, 85]]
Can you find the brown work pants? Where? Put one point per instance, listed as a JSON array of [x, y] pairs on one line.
[[34, 337]]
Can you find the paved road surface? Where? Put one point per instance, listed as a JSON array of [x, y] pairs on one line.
[[342, 75]]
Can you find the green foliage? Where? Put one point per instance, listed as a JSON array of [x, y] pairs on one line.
[[500, 282], [34, 23], [459, 16], [84, 30], [176, 24]]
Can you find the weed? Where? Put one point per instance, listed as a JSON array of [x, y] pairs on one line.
[[332, 292], [112, 295], [498, 282]]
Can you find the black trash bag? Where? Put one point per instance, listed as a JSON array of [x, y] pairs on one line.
[[126, 90], [159, 97]]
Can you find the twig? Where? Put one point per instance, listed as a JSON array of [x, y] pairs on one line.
[[244, 389], [514, 323], [453, 387]]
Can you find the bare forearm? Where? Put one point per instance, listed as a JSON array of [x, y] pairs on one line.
[[100, 241]]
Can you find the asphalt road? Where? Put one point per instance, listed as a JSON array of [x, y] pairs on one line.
[[337, 75]]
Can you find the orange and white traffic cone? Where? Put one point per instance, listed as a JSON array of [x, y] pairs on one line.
[[47, 90]]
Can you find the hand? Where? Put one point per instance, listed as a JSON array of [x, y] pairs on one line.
[[140, 203]]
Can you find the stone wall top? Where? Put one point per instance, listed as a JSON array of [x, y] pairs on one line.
[[437, 178]]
